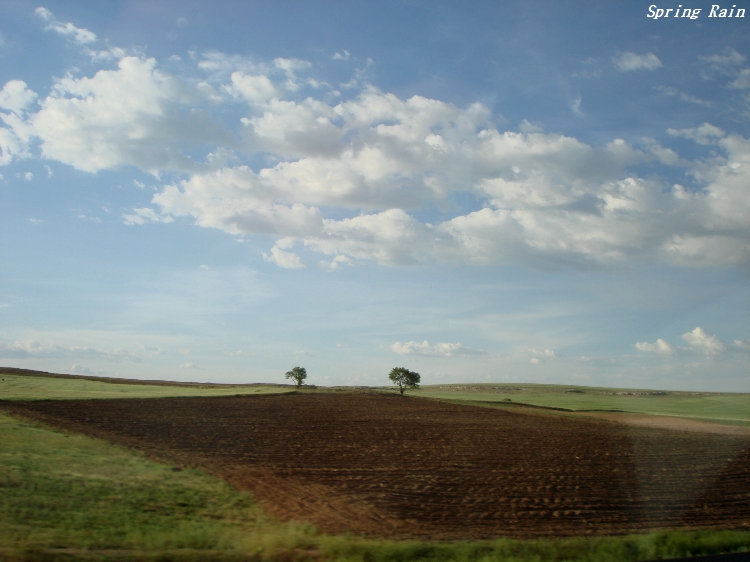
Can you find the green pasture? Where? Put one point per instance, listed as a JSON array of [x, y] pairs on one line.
[[26, 387], [69, 497], [732, 408]]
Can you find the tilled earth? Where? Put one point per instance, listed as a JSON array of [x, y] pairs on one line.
[[392, 466]]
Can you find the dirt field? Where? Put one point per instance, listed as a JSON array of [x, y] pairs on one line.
[[388, 466]]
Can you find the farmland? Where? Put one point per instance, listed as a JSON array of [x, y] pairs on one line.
[[410, 468], [514, 481]]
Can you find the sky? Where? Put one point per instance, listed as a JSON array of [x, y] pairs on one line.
[[525, 192]]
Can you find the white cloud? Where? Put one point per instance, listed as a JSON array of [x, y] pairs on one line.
[[628, 62], [189, 366], [44, 13], [438, 349], [335, 263], [144, 215], [283, 259], [705, 134], [291, 67], [660, 347], [743, 345], [544, 353], [76, 34], [666, 90], [32, 348], [128, 116], [81, 370], [254, 89], [16, 97], [699, 340], [549, 197], [541, 355], [742, 82], [543, 199], [723, 65], [343, 55]]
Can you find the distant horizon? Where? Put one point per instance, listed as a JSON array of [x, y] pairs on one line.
[[113, 380], [491, 192]]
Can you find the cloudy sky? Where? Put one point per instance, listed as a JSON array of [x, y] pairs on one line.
[[482, 192]]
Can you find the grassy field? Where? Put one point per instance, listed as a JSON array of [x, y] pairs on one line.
[[25, 387], [70, 497], [732, 408]]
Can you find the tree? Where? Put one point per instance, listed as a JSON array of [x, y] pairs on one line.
[[298, 375], [404, 378]]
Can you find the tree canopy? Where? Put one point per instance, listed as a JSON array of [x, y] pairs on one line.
[[298, 375], [404, 378]]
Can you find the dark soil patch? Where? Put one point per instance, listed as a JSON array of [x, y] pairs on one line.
[[391, 466]]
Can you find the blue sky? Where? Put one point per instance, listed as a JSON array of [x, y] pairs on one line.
[[549, 192]]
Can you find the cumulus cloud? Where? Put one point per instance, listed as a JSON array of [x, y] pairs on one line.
[[347, 178], [129, 116], [548, 197], [438, 349], [699, 340], [661, 347], [540, 355], [705, 134], [628, 62], [15, 98], [287, 260]]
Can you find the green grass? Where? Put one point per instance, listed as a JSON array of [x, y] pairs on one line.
[[66, 497], [731, 408], [25, 387], [71, 491]]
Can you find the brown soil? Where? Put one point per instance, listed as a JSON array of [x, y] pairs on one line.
[[391, 466]]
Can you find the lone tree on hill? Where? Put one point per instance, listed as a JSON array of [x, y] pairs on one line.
[[404, 378], [298, 375]]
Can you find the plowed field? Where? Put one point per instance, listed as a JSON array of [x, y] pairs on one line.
[[392, 466]]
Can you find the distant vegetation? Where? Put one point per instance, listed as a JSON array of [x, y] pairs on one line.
[[404, 378], [298, 375]]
